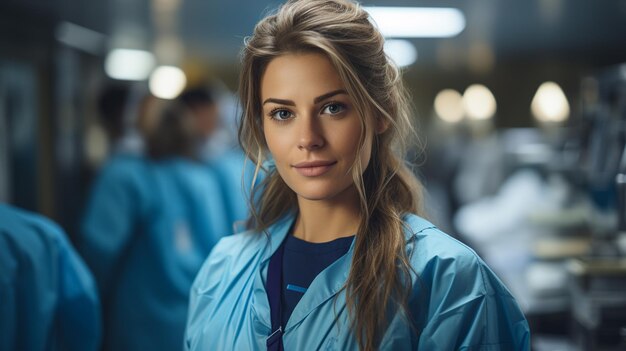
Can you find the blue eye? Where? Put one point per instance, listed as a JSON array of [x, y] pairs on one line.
[[333, 108], [280, 115]]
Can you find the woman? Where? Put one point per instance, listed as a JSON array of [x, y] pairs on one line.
[[345, 261]]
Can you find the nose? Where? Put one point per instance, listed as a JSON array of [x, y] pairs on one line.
[[310, 134]]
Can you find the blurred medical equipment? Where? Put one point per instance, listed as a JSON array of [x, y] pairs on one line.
[[556, 229], [598, 280]]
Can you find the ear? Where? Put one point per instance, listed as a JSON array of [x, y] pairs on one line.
[[381, 125]]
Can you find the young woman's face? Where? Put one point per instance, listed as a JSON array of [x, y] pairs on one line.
[[311, 126]]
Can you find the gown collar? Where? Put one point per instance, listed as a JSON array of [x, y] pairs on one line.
[[326, 285]]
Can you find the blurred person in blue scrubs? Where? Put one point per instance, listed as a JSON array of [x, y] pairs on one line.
[[148, 227], [48, 298], [234, 171], [337, 256], [121, 147]]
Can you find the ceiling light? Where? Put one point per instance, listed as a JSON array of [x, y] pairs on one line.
[[166, 82], [417, 22], [449, 106], [549, 103], [80, 38], [402, 52], [129, 64], [479, 102]]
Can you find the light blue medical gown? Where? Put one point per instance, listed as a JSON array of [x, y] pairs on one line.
[[148, 227], [457, 303], [48, 299], [235, 174]]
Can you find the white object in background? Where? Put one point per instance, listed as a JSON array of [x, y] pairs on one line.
[[129, 64], [167, 82], [550, 104], [546, 278], [492, 217], [417, 22], [401, 51]]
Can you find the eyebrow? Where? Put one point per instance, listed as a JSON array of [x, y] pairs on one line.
[[315, 101]]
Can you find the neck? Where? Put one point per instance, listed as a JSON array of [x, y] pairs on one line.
[[326, 220]]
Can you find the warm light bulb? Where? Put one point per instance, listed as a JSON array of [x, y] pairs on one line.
[[550, 104], [479, 102], [449, 106], [167, 82]]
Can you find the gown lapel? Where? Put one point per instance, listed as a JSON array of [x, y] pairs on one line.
[[260, 308]]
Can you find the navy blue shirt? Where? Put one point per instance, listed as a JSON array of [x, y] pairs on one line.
[[302, 262]]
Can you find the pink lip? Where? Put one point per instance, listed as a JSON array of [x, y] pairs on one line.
[[314, 168]]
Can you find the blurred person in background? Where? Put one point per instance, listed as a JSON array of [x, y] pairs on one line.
[[203, 106], [116, 106], [229, 163], [112, 104], [114, 158], [48, 298], [147, 230]]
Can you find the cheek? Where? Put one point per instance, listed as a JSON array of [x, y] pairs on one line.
[[269, 139], [347, 139], [275, 142]]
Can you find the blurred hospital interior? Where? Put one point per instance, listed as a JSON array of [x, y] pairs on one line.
[[520, 107]]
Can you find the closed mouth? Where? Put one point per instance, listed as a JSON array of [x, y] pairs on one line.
[[314, 168], [312, 164]]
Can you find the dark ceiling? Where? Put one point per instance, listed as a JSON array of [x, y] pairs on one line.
[[579, 31]]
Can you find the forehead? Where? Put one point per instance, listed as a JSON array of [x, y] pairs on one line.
[[301, 75]]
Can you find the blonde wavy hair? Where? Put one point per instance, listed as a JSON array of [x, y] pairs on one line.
[[379, 279]]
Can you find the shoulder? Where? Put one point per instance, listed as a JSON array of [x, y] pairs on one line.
[[120, 170], [240, 246], [121, 162], [224, 277], [436, 256], [197, 172], [23, 224], [457, 292], [30, 238], [230, 165], [228, 258], [447, 269]]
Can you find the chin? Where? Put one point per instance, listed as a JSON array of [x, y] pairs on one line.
[[319, 189], [314, 194], [319, 193]]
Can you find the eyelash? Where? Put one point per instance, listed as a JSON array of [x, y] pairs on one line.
[[273, 112], [340, 104]]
